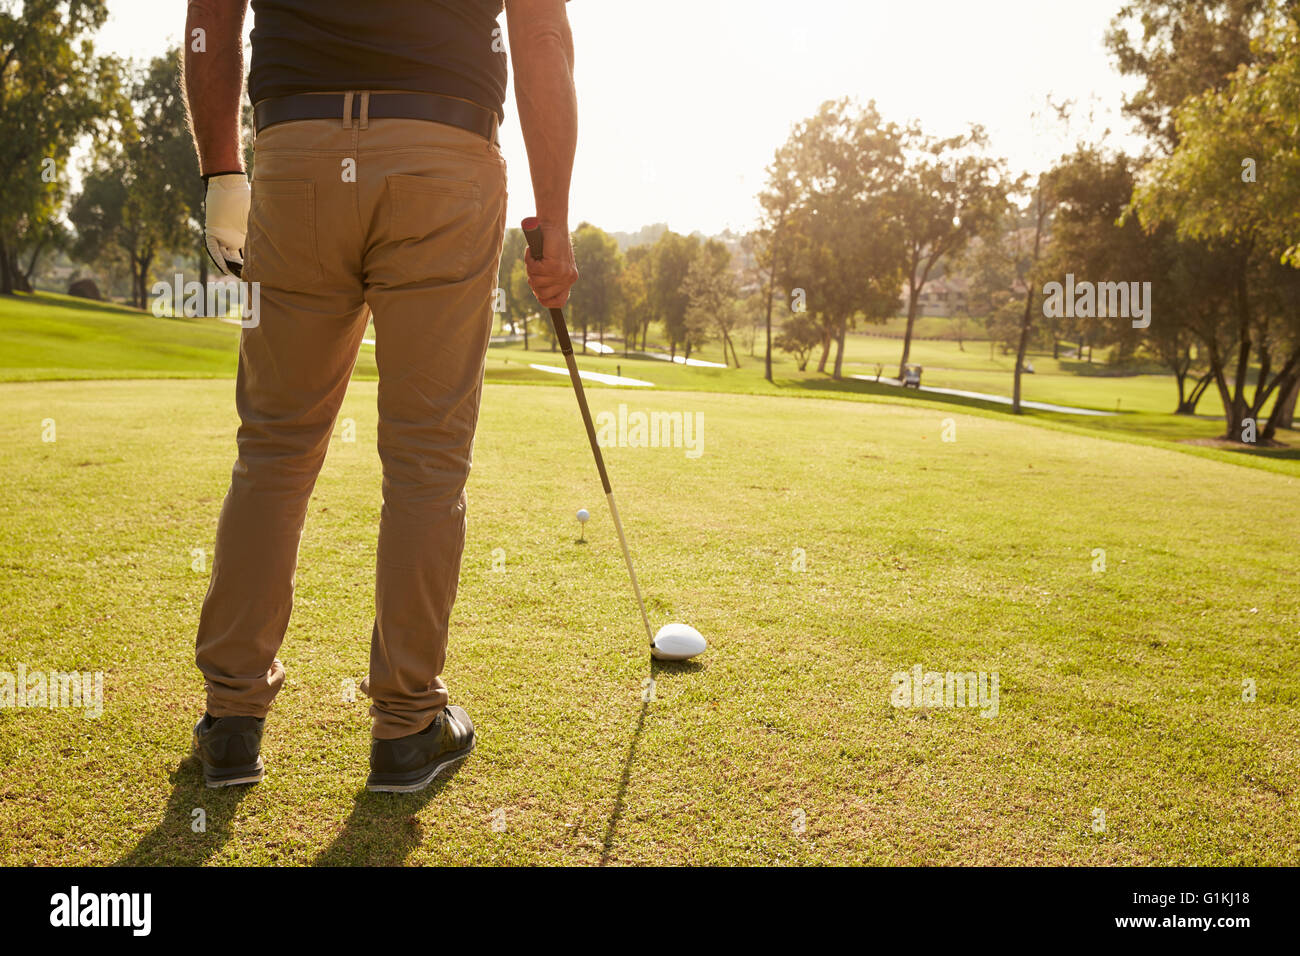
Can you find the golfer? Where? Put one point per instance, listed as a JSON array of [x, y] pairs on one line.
[[378, 190]]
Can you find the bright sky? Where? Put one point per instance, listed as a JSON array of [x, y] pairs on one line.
[[682, 102]]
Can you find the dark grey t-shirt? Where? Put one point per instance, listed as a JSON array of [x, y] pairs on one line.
[[453, 47]]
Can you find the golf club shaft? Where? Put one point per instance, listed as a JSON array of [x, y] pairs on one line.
[[631, 571], [533, 234]]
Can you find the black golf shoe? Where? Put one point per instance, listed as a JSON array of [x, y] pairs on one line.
[[230, 749], [410, 763]]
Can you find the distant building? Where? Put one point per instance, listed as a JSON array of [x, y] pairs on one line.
[[943, 297]]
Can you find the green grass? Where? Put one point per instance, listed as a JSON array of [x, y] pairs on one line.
[[1120, 690], [51, 337], [1141, 397]]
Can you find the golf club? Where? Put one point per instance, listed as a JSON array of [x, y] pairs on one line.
[[675, 642]]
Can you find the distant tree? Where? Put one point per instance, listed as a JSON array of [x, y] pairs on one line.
[[1195, 305], [163, 144], [960, 324], [799, 336], [53, 91], [1042, 203], [840, 251], [753, 308], [947, 192], [641, 259], [672, 258], [634, 295], [994, 265], [512, 253], [1093, 239], [1088, 241], [594, 301], [108, 229], [529, 311], [711, 294], [778, 200]]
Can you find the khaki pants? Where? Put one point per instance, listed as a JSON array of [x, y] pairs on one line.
[[403, 219]]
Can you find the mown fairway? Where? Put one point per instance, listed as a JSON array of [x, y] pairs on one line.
[[1120, 690], [52, 337]]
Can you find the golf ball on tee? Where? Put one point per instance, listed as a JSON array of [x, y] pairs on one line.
[[583, 515]]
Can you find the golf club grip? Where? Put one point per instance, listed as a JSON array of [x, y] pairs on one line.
[[533, 234]]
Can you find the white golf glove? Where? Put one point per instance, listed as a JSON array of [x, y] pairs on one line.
[[226, 221]]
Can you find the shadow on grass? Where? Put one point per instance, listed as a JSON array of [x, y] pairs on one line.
[[854, 386], [61, 301], [611, 828], [1280, 454], [173, 841], [383, 828]]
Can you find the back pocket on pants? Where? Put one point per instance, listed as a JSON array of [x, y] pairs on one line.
[[437, 223], [281, 246]]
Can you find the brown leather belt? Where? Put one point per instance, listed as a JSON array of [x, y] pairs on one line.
[[422, 106]]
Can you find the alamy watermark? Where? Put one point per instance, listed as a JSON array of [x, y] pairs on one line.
[[922, 688], [1098, 300], [131, 911], [51, 689], [651, 430], [219, 300]]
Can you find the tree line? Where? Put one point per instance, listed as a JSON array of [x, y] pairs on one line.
[[689, 285], [856, 208]]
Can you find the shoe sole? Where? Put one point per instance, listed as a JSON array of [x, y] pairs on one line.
[[380, 786], [253, 774], [233, 777]]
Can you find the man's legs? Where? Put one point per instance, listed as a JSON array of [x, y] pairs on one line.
[[292, 378], [438, 219], [294, 366]]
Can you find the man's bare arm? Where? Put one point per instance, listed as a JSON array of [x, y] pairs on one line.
[[214, 82], [541, 47]]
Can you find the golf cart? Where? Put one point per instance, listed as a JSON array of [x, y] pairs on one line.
[[912, 376]]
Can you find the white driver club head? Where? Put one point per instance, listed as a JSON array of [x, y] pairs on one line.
[[677, 642]]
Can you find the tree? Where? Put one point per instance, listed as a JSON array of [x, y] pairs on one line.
[[778, 201], [594, 300], [947, 194], [53, 90], [642, 259], [39, 233], [960, 324], [634, 295], [167, 165], [799, 336], [840, 250], [672, 257], [995, 265], [1041, 205], [1181, 48], [1091, 238], [512, 254], [1250, 216], [710, 290], [99, 213], [133, 203], [1194, 307], [528, 313]]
